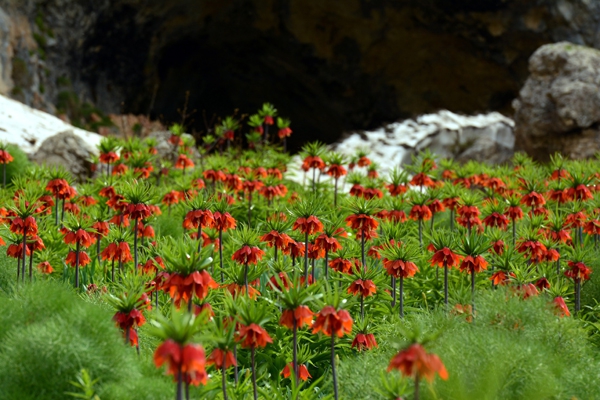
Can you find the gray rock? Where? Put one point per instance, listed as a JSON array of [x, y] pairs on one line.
[[558, 109], [68, 150]]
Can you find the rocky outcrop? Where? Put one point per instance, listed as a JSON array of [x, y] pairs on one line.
[[47, 139], [329, 65], [69, 151], [558, 109], [486, 138]]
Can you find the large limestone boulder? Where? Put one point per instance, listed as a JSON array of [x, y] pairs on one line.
[[558, 109]]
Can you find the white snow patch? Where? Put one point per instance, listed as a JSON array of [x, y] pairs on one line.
[[28, 128]]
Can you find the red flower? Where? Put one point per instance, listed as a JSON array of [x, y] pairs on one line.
[[592, 227], [341, 265], [436, 206], [422, 179], [248, 255], [580, 192], [84, 259], [527, 290], [138, 211], [473, 264], [277, 239], [515, 213], [361, 222], [295, 249], [561, 307], [45, 268], [365, 288], [327, 243], [329, 321], [498, 247], [364, 341], [542, 283], [400, 268], [5, 157], [310, 225], [499, 278], [236, 289], [302, 371], [223, 221], [336, 171], [80, 237], [551, 255], [183, 162], [578, 271], [27, 226], [302, 314], [312, 162], [496, 220], [117, 252], [253, 335], [414, 361], [560, 196], [198, 218], [188, 359], [16, 251], [445, 257], [575, 220], [534, 249], [109, 158], [129, 320], [533, 199], [284, 132], [218, 357], [420, 212]]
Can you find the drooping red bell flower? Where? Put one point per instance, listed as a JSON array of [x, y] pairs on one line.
[[183, 162], [253, 335], [248, 255], [330, 322], [301, 314], [496, 220], [420, 212], [44, 267], [533, 199], [365, 288], [310, 225], [445, 257], [422, 179], [189, 360], [473, 264], [276, 239], [364, 341], [414, 361], [80, 237], [362, 222], [400, 268], [561, 308], [117, 252], [302, 371], [219, 357], [578, 270], [84, 259], [198, 218], [223, 221]]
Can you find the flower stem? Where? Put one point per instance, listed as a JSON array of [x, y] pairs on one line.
[[401, 296], [24, 258], [306, 258], [362, 245], [326, 264], [246, 277], [135, 253], [199, 237], [446, 285], [295, 350], [221, 255], [178, 390], [416, 397], [473, 291], [223, 380], [235, 368], [334, 375], [252, 351], [77, 265]]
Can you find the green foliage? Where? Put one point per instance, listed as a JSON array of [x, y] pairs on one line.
[[18, 166], [515, 349], [48, 335]]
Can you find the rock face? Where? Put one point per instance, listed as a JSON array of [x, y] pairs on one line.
[[67, 150], [558, 109], [329, 65], [486, 138]]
